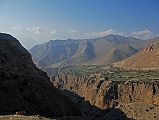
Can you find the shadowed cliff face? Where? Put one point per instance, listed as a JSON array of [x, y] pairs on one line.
[[23, 87], [130, 96]]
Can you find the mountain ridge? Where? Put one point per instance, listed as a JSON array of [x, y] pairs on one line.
[[85, 51]]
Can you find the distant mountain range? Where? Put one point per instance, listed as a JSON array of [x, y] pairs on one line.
[[143, 34], [103, 50]]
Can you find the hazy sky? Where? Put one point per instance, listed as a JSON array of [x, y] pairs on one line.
[[37, 21]]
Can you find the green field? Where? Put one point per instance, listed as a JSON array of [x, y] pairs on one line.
[[111, 73]]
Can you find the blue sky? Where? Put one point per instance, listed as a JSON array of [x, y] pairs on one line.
[[36, 21]]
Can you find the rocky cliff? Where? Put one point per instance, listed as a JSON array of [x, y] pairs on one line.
[[104, 94], [23, 87], [133, 97]]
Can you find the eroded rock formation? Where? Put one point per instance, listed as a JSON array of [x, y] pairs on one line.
[[105, 94]]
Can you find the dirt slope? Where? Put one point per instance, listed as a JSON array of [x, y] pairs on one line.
[[147, 59]]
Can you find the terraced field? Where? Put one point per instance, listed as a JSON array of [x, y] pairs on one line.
[[110, 73]]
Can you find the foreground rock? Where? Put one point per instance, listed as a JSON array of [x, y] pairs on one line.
[[22, 117], [23, 87]]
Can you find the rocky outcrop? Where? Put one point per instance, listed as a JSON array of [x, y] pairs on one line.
[[105, 94], [135, 99], [23, 87]]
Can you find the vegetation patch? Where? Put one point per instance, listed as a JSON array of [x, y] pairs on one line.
[[114, 74]]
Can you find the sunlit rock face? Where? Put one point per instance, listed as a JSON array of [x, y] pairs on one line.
[[105, 94]]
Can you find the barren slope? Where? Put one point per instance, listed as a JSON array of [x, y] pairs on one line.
[[147, 59]]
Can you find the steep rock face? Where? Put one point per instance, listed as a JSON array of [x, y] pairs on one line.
[[108, 94], [23, 87], [147, 93], [112, 100]]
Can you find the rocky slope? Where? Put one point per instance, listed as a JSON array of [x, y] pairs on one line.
[[135, 99], [104, 50], [22, 117], [147, 59], [23, 87]]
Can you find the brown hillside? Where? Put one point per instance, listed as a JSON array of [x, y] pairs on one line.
[[147, 59]]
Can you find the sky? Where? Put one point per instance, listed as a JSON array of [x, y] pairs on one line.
[[37, 21]]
